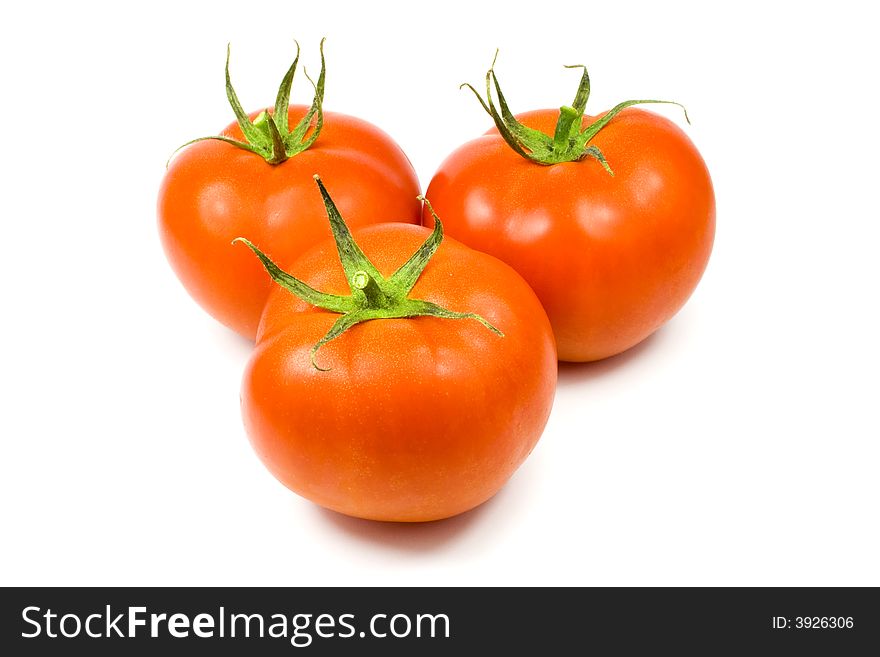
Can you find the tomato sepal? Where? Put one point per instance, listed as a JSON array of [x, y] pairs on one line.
[[373, 296], [269, 134], [569, 143]]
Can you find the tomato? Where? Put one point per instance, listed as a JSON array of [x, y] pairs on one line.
[[215, 191], [402, 417], [612, 257]]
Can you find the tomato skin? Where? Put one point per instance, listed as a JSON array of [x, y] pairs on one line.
[[417, 419], [612, 258], [214, 192]]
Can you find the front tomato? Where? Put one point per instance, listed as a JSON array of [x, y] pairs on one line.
[[430, 386], [255, 179], [611, 256]]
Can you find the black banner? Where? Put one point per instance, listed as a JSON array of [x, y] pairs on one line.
[[117, 621]]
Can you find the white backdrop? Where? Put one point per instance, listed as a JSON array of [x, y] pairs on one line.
[[739, 445]]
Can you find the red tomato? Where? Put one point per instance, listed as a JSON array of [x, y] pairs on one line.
[[415, 418], [612, 257], [214, 191]]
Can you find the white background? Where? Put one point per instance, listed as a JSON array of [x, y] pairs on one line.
[[739, 445]]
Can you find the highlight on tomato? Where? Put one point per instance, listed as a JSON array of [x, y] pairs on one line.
[[406, 385], [255, 179], [610, 218]]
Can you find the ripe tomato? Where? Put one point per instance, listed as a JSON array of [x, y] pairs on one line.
[[214, 191], [612, 257], [410, 418]]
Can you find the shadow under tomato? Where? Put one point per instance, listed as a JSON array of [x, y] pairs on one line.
[[575, 373], [228, 339], [415, 537]]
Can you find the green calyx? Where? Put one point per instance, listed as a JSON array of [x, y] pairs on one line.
[[269, 134], [570, 141], [372, 295]]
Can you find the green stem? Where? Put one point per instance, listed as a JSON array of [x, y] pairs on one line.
[[269, 135], [373, 297], [569, 142], [266, 124], [261, 123], [567, 118]]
